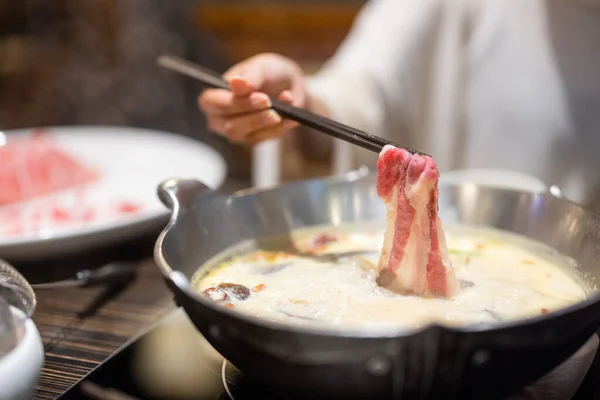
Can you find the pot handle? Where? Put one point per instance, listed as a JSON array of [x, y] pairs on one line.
[[179, 193]]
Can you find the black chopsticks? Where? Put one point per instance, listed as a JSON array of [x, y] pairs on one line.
[[302, 116]]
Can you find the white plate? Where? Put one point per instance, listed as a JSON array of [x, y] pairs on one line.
[[131, 163]]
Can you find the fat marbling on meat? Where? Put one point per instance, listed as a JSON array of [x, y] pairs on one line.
[[414, 258]]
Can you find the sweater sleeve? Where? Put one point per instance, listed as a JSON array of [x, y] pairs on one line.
[[376, 80]]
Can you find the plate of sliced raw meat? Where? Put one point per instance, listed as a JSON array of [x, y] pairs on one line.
[[68, 188]]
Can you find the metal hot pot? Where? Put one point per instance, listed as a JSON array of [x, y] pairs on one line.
[[432, 363]]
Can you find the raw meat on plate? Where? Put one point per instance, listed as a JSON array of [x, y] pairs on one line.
[[32, 167]]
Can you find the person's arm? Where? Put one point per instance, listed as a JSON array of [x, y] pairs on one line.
[[367, 84], [377, 78]]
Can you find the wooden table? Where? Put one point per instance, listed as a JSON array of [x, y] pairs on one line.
[[82, 328]]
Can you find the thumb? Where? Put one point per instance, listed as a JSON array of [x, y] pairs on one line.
[[267, 73], [245, 78]]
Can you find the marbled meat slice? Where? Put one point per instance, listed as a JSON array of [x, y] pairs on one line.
[[31, 167], [414, 258]]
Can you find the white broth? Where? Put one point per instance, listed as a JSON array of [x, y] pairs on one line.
[[503, 277]]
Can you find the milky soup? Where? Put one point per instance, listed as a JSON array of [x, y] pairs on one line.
[[326, 277]]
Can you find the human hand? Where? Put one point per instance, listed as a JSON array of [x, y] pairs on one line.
[[243, 115]]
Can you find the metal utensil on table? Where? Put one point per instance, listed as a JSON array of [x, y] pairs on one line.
[[111, 274], [302, 116]]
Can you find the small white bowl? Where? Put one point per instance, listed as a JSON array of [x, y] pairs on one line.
[[20, 368]]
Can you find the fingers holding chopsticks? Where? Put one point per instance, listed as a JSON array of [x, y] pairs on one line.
[[238, 128], [243, 114], [268, 74], [224, 103]]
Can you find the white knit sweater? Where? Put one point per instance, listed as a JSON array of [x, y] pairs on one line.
[[511, 84]]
